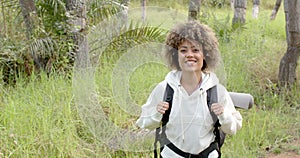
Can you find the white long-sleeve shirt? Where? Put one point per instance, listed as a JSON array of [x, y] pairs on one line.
[[190, 126]]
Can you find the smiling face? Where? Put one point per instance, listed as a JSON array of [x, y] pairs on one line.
[[190, 57]]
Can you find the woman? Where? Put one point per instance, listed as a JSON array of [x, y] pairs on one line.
[[192, 52]]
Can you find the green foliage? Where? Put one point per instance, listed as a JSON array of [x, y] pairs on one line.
[[11, 57], [132, 35], [136, 34], [38, 124], [47, 48], [52, 14], [101, 10], [182, 4], [216, 3], [141, 84], [220, 24]]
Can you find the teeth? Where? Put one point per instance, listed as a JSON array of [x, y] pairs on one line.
[[190, 63]]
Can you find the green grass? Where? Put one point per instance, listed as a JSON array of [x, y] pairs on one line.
[[39, 118], [36, 118]]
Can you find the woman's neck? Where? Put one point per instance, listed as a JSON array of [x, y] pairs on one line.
[[190, 81]]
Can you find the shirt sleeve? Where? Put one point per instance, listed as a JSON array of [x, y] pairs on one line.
[[231, 119], [150, 118]]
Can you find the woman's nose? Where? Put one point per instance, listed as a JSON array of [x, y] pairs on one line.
[[189, 54]]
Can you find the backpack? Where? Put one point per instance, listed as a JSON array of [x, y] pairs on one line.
[[160, 134]]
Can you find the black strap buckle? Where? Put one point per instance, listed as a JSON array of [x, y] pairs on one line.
[[189, 155]]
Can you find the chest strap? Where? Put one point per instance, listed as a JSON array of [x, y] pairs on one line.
[[203, 154]]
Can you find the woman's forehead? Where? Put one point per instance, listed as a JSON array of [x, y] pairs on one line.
[[191, 43]]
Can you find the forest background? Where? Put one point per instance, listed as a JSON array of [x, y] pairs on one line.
[[44, 110]]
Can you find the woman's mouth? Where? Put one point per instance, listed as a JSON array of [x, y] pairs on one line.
[[190, 62]]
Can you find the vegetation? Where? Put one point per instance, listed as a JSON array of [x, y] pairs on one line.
[[39, 116]]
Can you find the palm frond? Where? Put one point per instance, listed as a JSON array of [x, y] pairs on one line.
[[114, 35], [57, 5], [10, 3], [97, 10], [140, 33], [10, 50], [54, 7], [42, 47]]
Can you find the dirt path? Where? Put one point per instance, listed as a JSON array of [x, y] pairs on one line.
[[289, 150], [284, 155]]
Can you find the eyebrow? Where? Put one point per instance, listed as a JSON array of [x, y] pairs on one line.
[[185, 46]]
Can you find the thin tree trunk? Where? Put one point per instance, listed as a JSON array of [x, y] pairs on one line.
[[143, 4], [288, 64], [286, 13], [255, 9], [4, 19], [30, 16], [77, 31], [275, 9], [194, 9], [239, 16], [232, 4]]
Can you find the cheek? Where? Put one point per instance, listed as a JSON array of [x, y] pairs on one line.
[[200, 59], [180, 57], [200, 56]]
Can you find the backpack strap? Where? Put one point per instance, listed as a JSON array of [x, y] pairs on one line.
[[160, 133], [168, 97], [212, 97]]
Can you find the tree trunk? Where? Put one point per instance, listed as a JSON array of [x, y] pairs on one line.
[[275, 9], [255, 9], [77, 31], [239, 16], [30, 16], [232, 4], [125, 4], [31, 21], [4, 20], [143, 4], [194, 9], [288, 64], [286, 13]]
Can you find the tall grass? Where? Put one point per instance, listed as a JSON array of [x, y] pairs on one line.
[[38, 116], [37, 120]]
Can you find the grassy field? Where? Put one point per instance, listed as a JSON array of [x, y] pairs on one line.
[[39, 116]]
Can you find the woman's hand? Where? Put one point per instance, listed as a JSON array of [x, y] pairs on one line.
[[217, 108], [162, 107]]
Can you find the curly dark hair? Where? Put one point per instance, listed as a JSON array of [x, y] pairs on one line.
[[196, 33]]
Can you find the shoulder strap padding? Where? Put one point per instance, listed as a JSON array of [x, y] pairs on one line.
[[168, 97], [212, 97]]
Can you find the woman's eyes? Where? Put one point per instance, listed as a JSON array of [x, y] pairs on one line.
[[182, 50], [185, 50], [196, 50]]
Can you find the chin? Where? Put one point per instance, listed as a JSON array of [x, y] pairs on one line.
[[192, 70]]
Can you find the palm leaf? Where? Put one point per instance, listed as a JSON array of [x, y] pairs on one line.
[[97, 10], [42, 47], [10, 3]]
